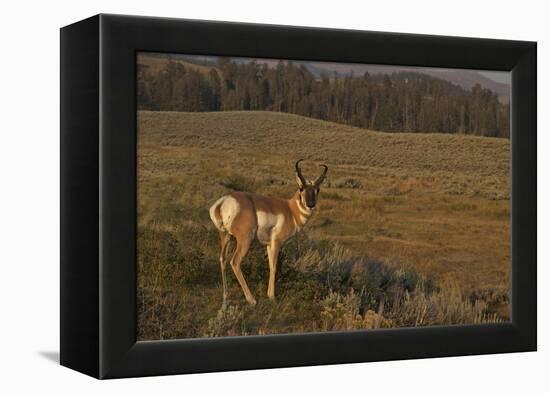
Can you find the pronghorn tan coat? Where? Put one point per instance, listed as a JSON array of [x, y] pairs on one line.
[[272, 221]]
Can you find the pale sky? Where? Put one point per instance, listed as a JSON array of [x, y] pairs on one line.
[[498, 76]]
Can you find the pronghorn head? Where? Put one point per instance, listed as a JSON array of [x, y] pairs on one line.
[[309, 190]]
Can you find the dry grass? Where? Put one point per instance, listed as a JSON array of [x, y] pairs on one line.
[[428, 203]]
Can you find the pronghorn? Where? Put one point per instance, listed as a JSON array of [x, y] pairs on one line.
[[272, 220]]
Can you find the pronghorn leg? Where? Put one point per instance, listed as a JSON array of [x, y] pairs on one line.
[[224, 242], [242, 248], [272, 254]]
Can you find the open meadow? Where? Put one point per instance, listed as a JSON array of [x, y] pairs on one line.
[[410, 230]]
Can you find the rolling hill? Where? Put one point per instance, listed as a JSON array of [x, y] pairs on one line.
[[435, 193]]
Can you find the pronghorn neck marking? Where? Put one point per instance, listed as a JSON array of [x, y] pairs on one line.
[[303, 215]]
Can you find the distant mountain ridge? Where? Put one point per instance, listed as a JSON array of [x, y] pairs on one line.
[[460, 77], [463, 78]]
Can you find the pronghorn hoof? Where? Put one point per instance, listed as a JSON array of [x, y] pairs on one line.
[[252, 302]]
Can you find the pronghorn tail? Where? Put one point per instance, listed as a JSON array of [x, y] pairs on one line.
[[216, 214]]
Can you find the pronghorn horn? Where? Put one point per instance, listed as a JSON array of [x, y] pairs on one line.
[[299, 172], [322, 177]]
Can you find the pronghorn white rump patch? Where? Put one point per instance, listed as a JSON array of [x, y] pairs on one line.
[[212, 211], [228, 209]]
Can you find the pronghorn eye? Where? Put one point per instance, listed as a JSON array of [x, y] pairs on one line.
[[301, 189]]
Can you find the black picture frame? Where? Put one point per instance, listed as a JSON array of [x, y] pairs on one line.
[[98, 195]]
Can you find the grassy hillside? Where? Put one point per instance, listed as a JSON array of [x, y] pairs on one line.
[[432, 209]]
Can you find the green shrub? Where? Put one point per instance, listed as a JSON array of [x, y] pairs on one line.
[[342, 312], [228, 321], [444, 306], [348, 183], [237, 182]]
